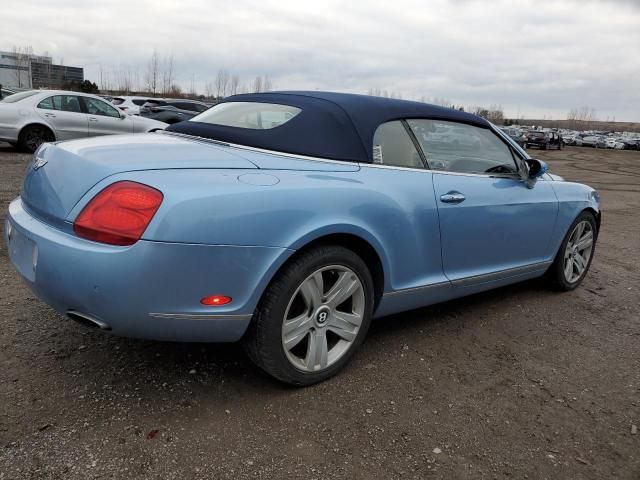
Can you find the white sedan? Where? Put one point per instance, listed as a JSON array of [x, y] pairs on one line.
[[31, 118]]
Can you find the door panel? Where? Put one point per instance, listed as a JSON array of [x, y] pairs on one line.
[[101, 125], [104, 119], [63, 113], [499, 223]]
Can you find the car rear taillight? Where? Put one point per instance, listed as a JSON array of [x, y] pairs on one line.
[[119, 214]]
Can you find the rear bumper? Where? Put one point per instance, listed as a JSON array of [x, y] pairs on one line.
[[149, 290]]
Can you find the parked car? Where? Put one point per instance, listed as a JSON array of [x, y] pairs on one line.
[[517, 135], [544, 140], [614, 143], [594, 141], [631, 144], [290, 220], [5, 92], [31, 118], [172, 111], [131, 105]]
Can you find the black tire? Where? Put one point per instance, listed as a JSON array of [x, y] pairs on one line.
[[555, 274], [32, 136], [263, 340]]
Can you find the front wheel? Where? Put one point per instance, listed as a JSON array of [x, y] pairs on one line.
[[574, 257], [313, 316]]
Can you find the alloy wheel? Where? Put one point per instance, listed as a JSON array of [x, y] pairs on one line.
[[323, 318], [577, 253], [34, 138]]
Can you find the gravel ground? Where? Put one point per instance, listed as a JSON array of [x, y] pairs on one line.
[[516, 383]]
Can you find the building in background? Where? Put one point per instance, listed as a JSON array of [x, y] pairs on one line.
[[22, 69], [59, 77]]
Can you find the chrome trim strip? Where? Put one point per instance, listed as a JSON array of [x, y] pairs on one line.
[[259, 150], [500, 275], [201, 316], [441, 172], [327, 160], [486, 277], [431, 286]]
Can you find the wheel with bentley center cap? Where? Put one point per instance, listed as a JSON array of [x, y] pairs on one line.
[[313, 316], [574, 257]]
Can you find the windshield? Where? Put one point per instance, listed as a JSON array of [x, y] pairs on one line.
[[16, 97], [251, 115]]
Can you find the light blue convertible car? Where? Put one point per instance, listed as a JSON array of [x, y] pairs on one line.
[[288, 220]]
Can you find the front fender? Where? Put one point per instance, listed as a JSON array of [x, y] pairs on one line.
[[573, 198]]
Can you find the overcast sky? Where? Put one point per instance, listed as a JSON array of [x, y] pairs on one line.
[[535, 58]]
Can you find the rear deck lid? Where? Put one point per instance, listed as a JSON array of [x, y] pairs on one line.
[[60, 174]]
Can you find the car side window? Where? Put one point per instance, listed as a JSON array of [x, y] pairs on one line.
[[462, 148], [182, 106], [98, 107], [392, 145], [51, 103], [71, 103]]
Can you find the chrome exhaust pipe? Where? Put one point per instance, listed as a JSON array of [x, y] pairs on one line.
[[88, 320]]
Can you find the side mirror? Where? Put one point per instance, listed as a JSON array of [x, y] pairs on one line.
[[537, 168]]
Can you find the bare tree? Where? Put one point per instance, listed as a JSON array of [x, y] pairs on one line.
[[22, 57], [209, 89], [167, 74], [192, 89], [443, 102], [581, 117], [257, 85], [152, 74], [496, 114], [234, 85], [136, 87], [124, 79], [221, 83], [175, 91], [266, 84]]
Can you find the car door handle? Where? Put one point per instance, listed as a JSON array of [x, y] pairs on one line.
[[50, 115], [93, 119], [452, 197]]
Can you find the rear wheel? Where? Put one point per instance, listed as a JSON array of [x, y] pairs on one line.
[[33, 136], [573, 260], [313, 316]]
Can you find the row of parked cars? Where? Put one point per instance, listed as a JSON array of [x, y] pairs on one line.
[[614, 140], [167, 110], [32, 117], [557, 138]]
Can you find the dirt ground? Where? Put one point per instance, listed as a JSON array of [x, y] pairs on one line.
[[516, 383]]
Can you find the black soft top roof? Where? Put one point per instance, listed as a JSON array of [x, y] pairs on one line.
[[337, 126]]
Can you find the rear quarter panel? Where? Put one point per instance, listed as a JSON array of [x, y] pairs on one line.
[[393, 210]]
